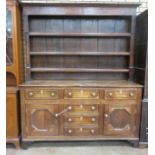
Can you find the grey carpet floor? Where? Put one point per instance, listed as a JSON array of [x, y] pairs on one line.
[[78, 148]]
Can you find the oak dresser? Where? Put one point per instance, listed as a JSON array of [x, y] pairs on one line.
[[79, 72]]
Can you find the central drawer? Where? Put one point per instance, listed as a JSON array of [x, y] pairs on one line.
[[81, 131], [80, 120], [81, 108], [81, 94]]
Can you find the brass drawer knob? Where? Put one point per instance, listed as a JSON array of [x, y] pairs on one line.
[[93, 108], [110, 94], [92, 131], [69, 94], [69, 108], [69, 120], [93, 94], [30, 94], [53, 94], [93, 119], [131, 94], [106, 115], [69, 131]]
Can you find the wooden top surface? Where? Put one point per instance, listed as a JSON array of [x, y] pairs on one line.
[[75, 3], [81, 83]]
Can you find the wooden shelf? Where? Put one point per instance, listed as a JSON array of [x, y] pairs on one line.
[[43, 34], [82, 53], [76, 70]]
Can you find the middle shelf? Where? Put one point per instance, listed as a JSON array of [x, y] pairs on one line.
[[43, 34], [76, 70]]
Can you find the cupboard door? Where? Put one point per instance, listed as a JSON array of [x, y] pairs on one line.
[[41, 120], [120, 120], [11, 115]]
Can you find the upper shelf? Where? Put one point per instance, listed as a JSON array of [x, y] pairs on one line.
[[82, 53], [80, 34]]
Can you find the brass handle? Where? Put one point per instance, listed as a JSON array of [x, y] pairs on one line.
[[110, 94], [93, 108], [106, 115], [93, 94], [53, 94], [131, 94], [30, 93], [63, 111], [69, 131], [93, 119], [69, 94], [92, 131]]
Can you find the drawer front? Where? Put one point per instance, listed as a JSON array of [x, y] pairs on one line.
[[81, 93], [120, 93], [82, 108], [81, 131], [42, 94], [80, 120]]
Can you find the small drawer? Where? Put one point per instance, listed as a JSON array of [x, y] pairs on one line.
[[120, 93], [42, 94], [81, 94], [81, 131], [84, 120], [82, 108]]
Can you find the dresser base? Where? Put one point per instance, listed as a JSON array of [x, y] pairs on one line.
[[67, 111]]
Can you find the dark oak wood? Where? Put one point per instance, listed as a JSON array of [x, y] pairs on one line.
[[141, 71], [72, 54]]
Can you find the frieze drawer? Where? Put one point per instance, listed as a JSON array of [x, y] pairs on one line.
[[81, 94], [120, 93], [42, 94]]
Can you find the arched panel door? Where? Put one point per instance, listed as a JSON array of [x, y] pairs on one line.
[[120, 120]]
